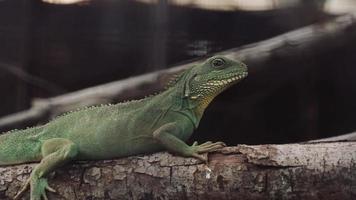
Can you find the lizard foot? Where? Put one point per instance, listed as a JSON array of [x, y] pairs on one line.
[[38, 188], [206, 147]]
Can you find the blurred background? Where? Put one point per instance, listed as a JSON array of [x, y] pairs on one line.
[[52, 47]]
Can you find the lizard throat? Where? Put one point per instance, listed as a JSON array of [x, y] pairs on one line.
[[203, 104], [203, 99], [203, 94]]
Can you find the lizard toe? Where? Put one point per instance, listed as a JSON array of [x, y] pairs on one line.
[[200, 157], [39, 186], [23, 190], [205, 148]]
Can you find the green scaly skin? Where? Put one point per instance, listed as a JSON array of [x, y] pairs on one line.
[[160, 122]]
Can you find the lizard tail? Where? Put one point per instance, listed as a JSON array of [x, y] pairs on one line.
[[16, 147]]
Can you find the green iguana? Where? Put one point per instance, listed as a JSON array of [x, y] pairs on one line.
[[160, 122]]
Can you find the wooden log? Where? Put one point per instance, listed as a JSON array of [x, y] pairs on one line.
[[289, 171]]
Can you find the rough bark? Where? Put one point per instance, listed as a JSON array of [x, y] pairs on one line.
[[290, 171], [305, 42]]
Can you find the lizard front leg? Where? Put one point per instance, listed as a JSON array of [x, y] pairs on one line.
[[55, 152], [165, 135]]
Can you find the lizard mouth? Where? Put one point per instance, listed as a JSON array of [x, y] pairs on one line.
[[229, 79]]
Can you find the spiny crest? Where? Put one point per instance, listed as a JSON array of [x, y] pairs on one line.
[[17, 130], [11, 131], [89, 108], [128, 101], [86, 108], [173, 80]]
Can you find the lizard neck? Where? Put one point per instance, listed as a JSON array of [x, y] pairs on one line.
[[189, 102], [190, 107], [201, 105]]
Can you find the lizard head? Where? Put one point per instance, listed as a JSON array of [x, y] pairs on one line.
[[210, 78]]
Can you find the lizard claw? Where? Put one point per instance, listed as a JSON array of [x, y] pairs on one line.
[[206, 147], [23, 190], [200, 157], [50, 189], [38, 188]]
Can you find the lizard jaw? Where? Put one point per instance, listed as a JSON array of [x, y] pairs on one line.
[[227, 81], [213, 87]]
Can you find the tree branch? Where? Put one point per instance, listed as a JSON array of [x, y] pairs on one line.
[[16, 71], [307, 41], [291, 171], [340, 138]]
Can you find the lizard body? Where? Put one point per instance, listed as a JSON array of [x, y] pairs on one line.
[[160, 122]]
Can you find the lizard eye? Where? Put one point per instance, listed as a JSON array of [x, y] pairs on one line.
[[218, 62]]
